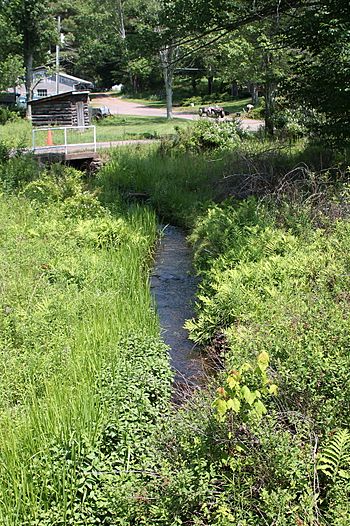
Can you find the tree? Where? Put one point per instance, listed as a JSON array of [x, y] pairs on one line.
[[320, 80], [11, 64], [155, 37], [35, 26]]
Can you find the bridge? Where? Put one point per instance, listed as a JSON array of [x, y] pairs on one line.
[[65, 152]]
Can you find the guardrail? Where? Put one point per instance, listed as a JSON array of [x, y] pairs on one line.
[[64, 145]]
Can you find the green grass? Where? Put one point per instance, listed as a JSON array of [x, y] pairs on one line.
[[177, 185], [135, 127], [231, 106], [114, 128], [86, 436], [81, 346]]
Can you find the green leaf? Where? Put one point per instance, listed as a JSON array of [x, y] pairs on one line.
[[263, 360], [234, 404], [259, 408], [273, 389], [221, 407], [248, 395], [232, 382]]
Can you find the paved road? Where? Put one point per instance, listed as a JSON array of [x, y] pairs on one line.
[[119, 106]]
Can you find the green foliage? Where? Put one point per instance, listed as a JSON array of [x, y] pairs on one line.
[[85, 376], [17, 171], [207, 135], [175, 186], [246, 390], [334, 460], [334, 470], [321, 68], [225, 473], [7, 115], [279, 289]]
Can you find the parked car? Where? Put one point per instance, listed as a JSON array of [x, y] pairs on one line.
[[22, 101], [101, 112]]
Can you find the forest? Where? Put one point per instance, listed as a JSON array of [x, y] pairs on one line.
[[95, 426]]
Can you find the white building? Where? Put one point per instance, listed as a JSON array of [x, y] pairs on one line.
[[44, 83]]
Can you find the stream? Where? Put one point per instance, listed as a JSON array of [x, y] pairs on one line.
[[173, 287]]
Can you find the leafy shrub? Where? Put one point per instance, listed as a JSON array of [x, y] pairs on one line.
[[192, 101], [4, 152], [64, 184], [208, 135], [214, 473], [8, 115], [259, 111], [105, 232], [274, 284], [290, 124], [18, 171], [266, 288]]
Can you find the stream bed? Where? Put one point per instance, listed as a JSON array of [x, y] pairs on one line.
[[173, 286]]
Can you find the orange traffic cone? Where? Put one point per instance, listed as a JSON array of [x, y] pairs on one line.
[[49, 139]]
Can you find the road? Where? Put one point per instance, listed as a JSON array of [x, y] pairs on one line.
[[118, 106]]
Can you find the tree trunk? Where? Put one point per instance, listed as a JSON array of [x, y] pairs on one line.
[[254, 93], [194, 85], [270, 88], [269, 108], [166, 58], [234, 90], [28, 63], [169, 93], [210, 84]]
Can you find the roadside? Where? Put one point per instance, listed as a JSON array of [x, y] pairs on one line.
[[119, 106]]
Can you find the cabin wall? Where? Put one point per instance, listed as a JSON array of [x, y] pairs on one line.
[[46, 112]]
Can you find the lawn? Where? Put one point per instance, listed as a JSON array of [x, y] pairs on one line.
[[233, 106], [114, 128]]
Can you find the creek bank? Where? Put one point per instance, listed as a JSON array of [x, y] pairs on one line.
[[173, 287]]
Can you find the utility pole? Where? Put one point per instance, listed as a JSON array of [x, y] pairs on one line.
[[58, 55]]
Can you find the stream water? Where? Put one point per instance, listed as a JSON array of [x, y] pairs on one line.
[[173, 286]]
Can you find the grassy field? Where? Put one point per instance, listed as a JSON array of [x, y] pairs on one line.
[[273, 306], [87, 433], [79, 340], [114, 128]]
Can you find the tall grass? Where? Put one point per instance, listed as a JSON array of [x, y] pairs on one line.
[[70, 302], [176, 185]]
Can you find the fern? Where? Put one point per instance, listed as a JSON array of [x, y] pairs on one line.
[[334, 461]]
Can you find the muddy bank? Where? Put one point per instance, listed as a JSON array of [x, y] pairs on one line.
[[173, 287]]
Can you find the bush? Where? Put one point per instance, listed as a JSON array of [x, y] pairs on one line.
[[209, 135], [8, 115], [269, 288], [195, 101], [18, 171]]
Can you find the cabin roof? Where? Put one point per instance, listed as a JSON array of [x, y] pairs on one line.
[[63, 74], [65, 95]]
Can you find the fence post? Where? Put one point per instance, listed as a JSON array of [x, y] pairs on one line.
[[65, 141], [95, 145]]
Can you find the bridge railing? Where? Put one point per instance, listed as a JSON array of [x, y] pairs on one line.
[[65, 144]]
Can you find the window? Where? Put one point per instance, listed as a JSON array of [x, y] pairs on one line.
[[42, 92]]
